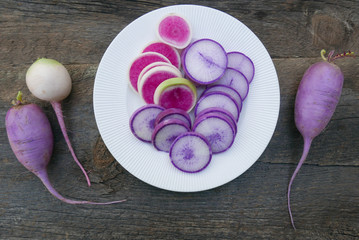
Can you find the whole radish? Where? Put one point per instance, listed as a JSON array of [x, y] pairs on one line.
[[317, 97], [48, 80], [31, 140]]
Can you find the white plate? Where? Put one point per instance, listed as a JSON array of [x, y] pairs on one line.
[[114, 101]]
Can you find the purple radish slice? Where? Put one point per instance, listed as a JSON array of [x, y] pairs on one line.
[[218, 110], [236, 80], [203, 115], [242, 63], [166, 50], [152, 65], [175, 31], [218, 99], [190, 152], [174, 113], [217, 129], [176, 93], [166, 132], [204, 61], [154, 77], [226, 89], [142, 121], [140, 63]]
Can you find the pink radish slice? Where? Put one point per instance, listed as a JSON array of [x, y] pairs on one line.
[[152, 65], [166, 132], [174, 113], [218, 111], [166, 50], [178, 96], [242, 63], [142, 121], [226, 89], [175, 31], [218, 99], [217, 129], [152, 78], [190, 152], [140, 63], [236, 80], [204, 61]]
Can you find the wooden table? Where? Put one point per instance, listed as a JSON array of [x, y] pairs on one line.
[[325, 197]]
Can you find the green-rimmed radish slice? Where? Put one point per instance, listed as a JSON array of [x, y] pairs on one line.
[[139, 63], [154, 77], [166, 50], [175, 31], [155, 64], [176, 93]]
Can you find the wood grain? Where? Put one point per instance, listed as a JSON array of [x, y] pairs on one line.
[[325, 195]]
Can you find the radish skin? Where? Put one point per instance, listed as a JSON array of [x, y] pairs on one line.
[[317, 97]]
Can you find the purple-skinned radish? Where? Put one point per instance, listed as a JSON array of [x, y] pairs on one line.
[[174, 113], [49, 80], [166, 50], [204, 61], [175, 31], [242, 63], [316, 100], [166, 132], [190, 152], [31, 139]]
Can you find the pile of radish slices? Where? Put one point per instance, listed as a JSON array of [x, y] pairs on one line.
[[167, 75]]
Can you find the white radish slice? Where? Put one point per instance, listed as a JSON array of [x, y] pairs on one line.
[[190, 152], [142, 121], [175, 31], [166, 50], [226, 89], [139, 63], [166, 132], [174, 113], [152, 65], [242, 63], [204, 61], [236, 80], [176, 93], [217, 129], [154, 77], [221, 111], [218, 99]]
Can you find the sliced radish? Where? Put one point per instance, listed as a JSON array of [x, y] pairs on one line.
[[154, 77], [190, 152], [166, 132], [176, 93], [155, 64], [242, 63], [218, 99], [174, 113], [226, 89], [217, 129], [218, 110], [166, 50], [142, 121], [175, 31], [236, 80], [140, 63], [204, 61]]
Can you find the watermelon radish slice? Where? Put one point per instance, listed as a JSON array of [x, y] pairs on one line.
[[175, 31], [190, 152], [204, 61], [154, 77], [142, 121], [176, 93], [242, 63], [166, 132], [140, 63], [226, 89], [166, 50], [174, 113], [217, 129], [218, 99], [155, 64], [236, 80]]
